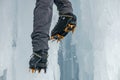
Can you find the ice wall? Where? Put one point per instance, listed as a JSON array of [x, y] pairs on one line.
[[7, 23], [98, 41]]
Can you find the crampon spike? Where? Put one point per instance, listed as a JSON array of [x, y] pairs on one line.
[[57, 37], [39, 71], [60, 37], [33, 70], [72, 26], [52, 37], [66, 29], [44, 70], [58, 40], [73, 30]]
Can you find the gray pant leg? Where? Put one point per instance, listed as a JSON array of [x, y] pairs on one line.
[[63, 6], [41, 24]]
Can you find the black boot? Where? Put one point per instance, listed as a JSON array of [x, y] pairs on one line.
[[65, 24], [38, 61]]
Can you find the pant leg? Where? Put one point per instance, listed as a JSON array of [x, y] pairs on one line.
[[63, 6], [41, 24]]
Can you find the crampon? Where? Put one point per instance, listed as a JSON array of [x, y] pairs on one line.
[[60, 36], [65, 24], [38, 62]]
